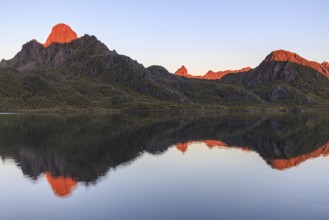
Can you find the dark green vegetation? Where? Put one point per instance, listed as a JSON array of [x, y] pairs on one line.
[[85, 75], [87, 147]]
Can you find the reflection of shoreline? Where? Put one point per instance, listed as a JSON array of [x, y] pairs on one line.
[[279, 164]]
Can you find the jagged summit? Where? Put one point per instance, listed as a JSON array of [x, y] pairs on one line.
[[61, 33], [182, 72]]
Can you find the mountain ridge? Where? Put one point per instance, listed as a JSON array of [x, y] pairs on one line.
[[210, 75]]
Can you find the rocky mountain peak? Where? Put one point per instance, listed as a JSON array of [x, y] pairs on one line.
[[61, 33], [182, 71], [286, 56]]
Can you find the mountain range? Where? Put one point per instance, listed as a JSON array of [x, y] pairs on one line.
[[80, 73]]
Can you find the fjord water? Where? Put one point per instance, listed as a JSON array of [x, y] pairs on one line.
[[164, 166]]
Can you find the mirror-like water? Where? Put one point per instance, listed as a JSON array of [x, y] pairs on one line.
[[168, 167]]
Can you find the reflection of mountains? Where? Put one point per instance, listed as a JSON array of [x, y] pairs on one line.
[[85, 148]]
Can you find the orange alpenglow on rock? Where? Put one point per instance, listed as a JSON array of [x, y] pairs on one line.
[[61, 186], [61, 33], [182, 72], [210, 75], [287, 56]]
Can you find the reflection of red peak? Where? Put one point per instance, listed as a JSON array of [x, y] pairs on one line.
[[61, 33], [62, 186], [214, 143], [282, 164], [182, 147], [279, 164], [210, 75], [210, 143], [286, 56]]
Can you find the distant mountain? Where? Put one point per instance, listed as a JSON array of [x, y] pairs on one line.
[[210, 75], [284, 78], [73, 73], [286, 66]]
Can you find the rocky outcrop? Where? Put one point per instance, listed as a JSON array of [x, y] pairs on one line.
[[61, 33], [183, 72]]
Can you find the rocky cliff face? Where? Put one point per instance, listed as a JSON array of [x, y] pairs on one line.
[[61, 33]]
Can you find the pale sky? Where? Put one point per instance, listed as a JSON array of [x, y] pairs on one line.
[[200, 34]]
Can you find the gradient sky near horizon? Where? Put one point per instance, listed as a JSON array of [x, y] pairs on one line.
[[201, 34]]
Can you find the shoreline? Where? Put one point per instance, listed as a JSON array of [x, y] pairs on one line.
[[174, 110]]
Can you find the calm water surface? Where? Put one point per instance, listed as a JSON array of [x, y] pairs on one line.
[[164, 167]]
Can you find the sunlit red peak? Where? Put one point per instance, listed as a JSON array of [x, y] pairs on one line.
[[182, 71], [283, 55], [210, 75], [61, 186], [61, 33], [286, 56]]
